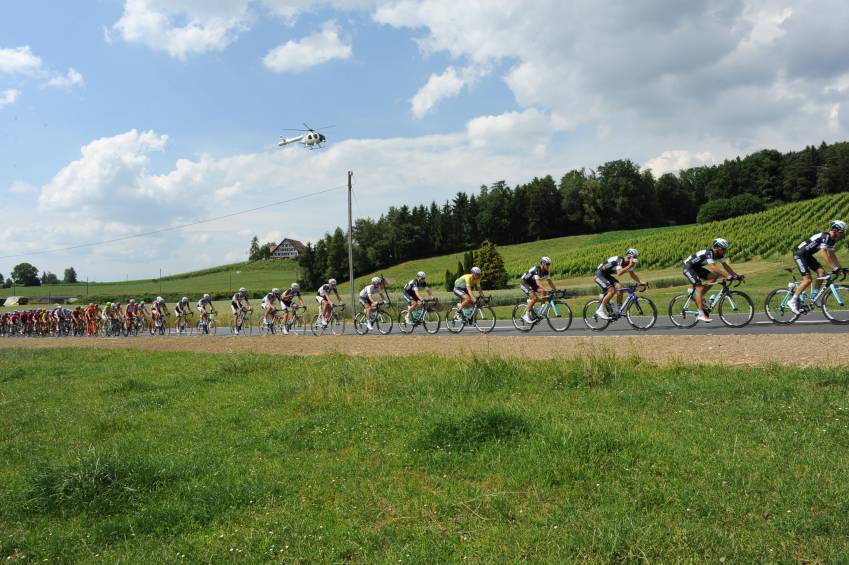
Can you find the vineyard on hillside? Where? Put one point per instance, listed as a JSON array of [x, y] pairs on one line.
[[770, 233]]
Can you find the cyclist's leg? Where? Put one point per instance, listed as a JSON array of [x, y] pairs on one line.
[[805, 270]]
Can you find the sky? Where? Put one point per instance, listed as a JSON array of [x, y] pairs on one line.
[[119, 118]]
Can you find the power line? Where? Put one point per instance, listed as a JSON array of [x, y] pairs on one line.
[[173, 228]]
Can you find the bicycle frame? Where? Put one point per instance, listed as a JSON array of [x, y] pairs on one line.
[[816, 299], [711, 300]]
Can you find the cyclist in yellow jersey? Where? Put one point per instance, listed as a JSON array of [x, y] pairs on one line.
[[465, 286]]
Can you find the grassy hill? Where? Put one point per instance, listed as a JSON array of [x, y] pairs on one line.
[[768, 235]]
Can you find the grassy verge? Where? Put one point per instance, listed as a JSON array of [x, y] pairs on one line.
[[121, 456]]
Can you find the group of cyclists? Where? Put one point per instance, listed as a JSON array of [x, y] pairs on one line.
[[702, 269]]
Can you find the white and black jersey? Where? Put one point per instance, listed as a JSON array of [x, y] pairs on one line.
[[612, 265], [701, 258], [814, 243], [529, 283], [414, 286], [288, 295], [203, 302]]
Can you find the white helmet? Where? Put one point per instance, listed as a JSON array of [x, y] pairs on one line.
[[243, 290], [375, 280], [132, 300], [545, 260], [420, 274], [476, 270], [159, 299], [275, 291], [205, 295], [332, 282], [296, 286], [185, 300], [721, 243], [632, 252], [838, 225]]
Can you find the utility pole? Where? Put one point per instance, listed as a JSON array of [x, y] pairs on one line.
[[351, 246], [160, 281]]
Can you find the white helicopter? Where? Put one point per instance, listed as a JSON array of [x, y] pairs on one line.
[[309, 138]]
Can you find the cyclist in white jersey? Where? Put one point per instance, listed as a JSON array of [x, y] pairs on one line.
[[238, 303], [823, 243], [700, 267], [530, 283], [368, 298], [322, 296], [286, 299], [413, 296], [605, 278], [268, 309]]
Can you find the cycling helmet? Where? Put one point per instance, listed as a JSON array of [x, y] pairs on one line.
[[632, 252], [545, 260], [332, 282], [132, 300], [185, 300], [205, 295], [243, 290], [476, 270], [159, 299], [275, 291], [296, 286], [91, 304], [838, 225], [420, 274], [721, 243], [375, 280]]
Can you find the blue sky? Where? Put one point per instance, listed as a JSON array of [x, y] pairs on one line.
[[118, 117]]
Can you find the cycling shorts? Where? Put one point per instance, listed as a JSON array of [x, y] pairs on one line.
[[696, 274], [529, 286], [604, 281], [807, 264]]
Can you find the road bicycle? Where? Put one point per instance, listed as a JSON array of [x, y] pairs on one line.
[[160, 325], [425, 315], [640, 311], [296, 324], [831, 298], [114, 327], [734, 307], [480, 315], [380, 319], [183, 324], [553, 309], [335, 323], [207, 325], [241, 323]]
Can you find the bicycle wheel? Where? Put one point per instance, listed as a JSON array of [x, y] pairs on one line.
[[431, 321], [835, 307], [683, 311], [211, 327], [383, 322], [403, 325], [484, 319], [591, 318], [336, 324], [454, 321], [360, 325], [776, 307], [316, 327], [519, 323], [559, 316], [641, 313], [736, 309]]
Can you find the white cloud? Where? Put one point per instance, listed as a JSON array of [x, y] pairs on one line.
[[110, 176], [677, 159], [183, 27], [71, 78], [440, 86], [511, 130], [19, 60], [8, 97], [19, 187], [321, 47]]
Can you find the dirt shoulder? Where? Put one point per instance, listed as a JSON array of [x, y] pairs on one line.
[[731, 350]]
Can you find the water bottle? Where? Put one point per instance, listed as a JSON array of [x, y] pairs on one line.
[[467, 312], [814, 293], [689, 292], [792, 286]]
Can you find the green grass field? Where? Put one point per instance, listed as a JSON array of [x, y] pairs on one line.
[[146, 457]]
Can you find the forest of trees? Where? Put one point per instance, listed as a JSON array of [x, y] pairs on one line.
[[617, 195]]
